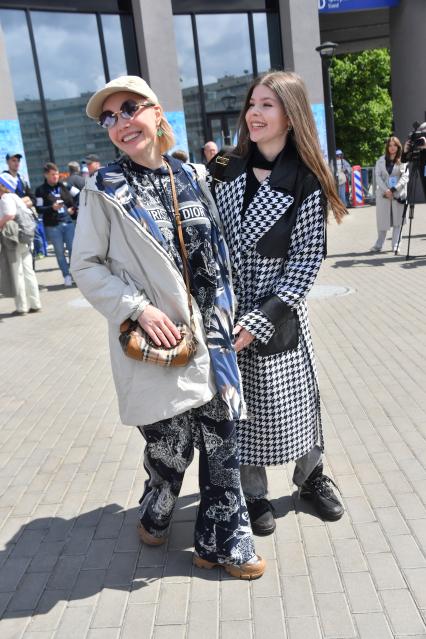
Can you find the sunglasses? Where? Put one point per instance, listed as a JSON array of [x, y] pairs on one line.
[[127, 111]]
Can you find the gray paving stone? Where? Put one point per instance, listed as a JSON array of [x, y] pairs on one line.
[[110, 608], [402, 612], [304, 627], [416, 578], [317, 541], [12, 572], [335, 616], [350, 557], [359, 510], [236, 630], [373, 625], [103, 633], [203, 620], [392, 521], [169, 632], [407, 551], [49, 611], [298, 597], [291, 559], [178, 566], [379, 495], [74, 623], [411, 506], [361, 592], [138, 616], [324, 574], [173, 605], [121, 569], [28, 592], [419, 528], [268, 618], [386, 572], [234, 602], [87, 588], [372, 538], [99, 554]]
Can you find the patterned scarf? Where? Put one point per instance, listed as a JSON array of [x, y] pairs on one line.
[[210, 278]]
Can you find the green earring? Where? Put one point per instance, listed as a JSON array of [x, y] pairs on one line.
[[160, 132]]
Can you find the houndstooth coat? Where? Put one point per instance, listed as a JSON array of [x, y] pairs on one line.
[[281, 390]]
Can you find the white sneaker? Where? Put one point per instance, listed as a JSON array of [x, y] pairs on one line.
[[68, 280]]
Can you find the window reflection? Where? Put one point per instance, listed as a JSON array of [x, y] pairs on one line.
[[113, 37], [226, 64], [261, 39], [71, 68], [189, 85], [25, 87]]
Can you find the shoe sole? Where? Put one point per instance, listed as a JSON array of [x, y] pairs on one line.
[[253, 572], [330, 517], [149, 539], [263, 532]]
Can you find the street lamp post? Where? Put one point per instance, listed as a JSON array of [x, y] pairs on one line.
[[326, 51]]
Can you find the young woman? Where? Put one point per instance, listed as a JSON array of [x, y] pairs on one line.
[[272, 194], [391, 192], [17, 277], [128, 263]]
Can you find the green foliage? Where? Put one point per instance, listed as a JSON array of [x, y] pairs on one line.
[[362, 104]]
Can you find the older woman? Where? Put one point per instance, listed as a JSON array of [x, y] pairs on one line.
[[17, 277], [129, 262]]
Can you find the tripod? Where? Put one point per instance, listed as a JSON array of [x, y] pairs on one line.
[[414, 171]]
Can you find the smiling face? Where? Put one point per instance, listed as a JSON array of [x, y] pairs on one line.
[[136, 137], [266, 119]]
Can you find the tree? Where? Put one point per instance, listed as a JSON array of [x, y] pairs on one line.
[[362, 104]]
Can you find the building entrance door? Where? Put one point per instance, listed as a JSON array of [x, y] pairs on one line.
[[222, 127]]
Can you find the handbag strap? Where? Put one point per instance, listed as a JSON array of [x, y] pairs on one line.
[[183, 251]]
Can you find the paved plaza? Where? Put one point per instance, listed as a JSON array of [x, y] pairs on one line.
[[71, 566]]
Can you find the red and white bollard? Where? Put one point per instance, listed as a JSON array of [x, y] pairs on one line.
[[357, 189]]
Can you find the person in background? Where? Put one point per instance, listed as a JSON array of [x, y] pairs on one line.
[[391, 193], [23, 191], [344, 172], [17, 277], [93, 163], [56, 205], [75, 183], [181, 155], [272, 193], [126, 262], [210, 150]]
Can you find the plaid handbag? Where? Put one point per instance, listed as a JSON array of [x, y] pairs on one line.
[[137, 344]]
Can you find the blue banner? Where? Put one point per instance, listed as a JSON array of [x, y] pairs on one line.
[[329, 6]]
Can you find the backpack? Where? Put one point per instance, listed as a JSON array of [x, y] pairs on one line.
[[27, 223]]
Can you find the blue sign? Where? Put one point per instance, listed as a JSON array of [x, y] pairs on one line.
[[329, 6], [318, 111], [176, 119]]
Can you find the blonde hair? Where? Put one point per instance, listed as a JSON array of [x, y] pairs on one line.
[[291, 91], [167, 139]]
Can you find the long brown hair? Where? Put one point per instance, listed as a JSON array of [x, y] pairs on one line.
[[291, 91], [393, 140]]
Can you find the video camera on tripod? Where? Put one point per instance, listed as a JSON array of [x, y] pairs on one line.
[[415, 155]]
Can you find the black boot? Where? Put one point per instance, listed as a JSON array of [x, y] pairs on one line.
[[318, 489], [262, 520]]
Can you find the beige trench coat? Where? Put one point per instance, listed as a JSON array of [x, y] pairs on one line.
[[389, 212]]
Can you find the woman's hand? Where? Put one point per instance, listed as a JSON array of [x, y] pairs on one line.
[[244, 338], [388, 194], [158, 326]]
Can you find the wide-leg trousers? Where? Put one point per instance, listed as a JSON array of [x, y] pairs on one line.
[[222, 528]]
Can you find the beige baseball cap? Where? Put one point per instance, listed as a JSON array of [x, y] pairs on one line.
[[124, 83]]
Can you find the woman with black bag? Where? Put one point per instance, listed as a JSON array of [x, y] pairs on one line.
[[272, 195], [149, 255]]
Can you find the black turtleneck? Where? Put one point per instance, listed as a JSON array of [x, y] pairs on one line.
[[256, 161]]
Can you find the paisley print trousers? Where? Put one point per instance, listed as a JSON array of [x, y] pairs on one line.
[[222, 528]]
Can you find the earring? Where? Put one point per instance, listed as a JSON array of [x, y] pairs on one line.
[[290, 128], [160, 132]]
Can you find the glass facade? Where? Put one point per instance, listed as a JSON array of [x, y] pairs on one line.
[[218, 56], [67, 49], [59, 57]]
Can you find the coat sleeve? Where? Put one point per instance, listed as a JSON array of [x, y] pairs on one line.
[[116, 299], [301, 267], [381, 185], [403, 179]]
